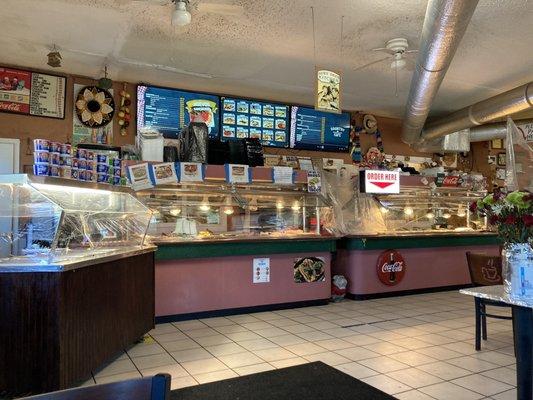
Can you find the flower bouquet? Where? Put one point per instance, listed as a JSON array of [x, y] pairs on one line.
[[512, 215]]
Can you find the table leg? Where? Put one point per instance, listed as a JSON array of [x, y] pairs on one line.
[[523, 333]]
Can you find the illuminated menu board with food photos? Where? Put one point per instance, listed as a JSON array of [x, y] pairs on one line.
[[317, 130], [168, 111], [268, 122]]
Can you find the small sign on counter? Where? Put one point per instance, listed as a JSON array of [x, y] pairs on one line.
[[314, 182], [261, 270], [237, 173], [283, 175], [191, 171]]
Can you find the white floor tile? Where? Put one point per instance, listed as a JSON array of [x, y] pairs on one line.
[[225, 349], [253, 369], [289, 362], [482, 384], [414, 377], [190, 355], [327, 357], [356, 370], [185, 381], [215, 376], [155, 360], [386, 384], [413, 395], [383, 364], [257, 344], [274, 354], [504, 374], [240, 359], [449, 391], [444, 370], [203, 366], [304, 349]]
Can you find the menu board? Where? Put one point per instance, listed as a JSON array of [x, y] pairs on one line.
[[268, 122], [168, 111], [317, 130], [32, 93]]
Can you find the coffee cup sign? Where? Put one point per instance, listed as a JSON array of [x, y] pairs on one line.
[[390, 267]]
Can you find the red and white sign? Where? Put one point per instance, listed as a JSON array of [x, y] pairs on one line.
[[382, 181], [390, 267]]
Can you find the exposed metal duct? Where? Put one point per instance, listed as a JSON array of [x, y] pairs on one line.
[[496, 130], [444, 26], [510, 102]]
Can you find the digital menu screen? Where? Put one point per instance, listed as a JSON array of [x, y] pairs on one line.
[[168, 111], [317, 130], [268, 122]]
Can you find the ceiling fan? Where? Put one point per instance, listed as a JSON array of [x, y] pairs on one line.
[[183, 9], [397, 50]]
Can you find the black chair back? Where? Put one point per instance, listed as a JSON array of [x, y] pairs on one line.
[[484, 270]]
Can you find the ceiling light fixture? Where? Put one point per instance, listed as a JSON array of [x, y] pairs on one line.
[[181, 16]]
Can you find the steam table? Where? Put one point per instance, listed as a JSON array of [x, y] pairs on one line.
[[523, 334]]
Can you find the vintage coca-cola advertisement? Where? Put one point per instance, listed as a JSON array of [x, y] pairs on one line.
[[15, 87], [390, 267]]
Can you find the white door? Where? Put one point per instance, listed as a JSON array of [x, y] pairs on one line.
[[9, 156]]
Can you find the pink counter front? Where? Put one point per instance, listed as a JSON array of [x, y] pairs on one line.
[[426, 262], [198, 280]]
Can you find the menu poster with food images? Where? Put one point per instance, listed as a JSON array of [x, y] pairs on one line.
[[242, 119], [314, 182], [283, 175], [168, 111], [527, 131], [309, 269], [139, 176], [328, 91], [237, 173], [163, 173], [86, 134], [31, 93], [191, 172]]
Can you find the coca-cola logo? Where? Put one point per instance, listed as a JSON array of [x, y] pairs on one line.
[[390, 267], [10, 107]]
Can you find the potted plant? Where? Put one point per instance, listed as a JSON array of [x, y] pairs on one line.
[[512, 215]]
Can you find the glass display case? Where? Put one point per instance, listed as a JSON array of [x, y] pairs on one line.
[[51, 221], [219, 211], [418, 208]]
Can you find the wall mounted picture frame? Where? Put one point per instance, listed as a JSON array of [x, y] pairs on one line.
[[501, 160], [491, 160], [496, 144], [500, 173]]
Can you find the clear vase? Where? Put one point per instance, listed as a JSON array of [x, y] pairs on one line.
[[517, 270]]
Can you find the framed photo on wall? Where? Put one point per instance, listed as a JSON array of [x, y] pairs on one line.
[[496, 144], [500, 173], [501, 160]]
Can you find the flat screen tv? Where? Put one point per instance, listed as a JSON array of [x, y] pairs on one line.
[[318, 130], [268, 122], [168, 111]]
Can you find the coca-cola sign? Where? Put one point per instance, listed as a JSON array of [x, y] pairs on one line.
[[390, 267]]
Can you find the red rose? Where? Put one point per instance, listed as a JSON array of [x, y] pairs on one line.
[[473, 207], [494, 219], [510, 220], [498, 194], [528, 220]]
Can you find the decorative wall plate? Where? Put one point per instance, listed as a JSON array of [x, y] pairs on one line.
[[95, 107]]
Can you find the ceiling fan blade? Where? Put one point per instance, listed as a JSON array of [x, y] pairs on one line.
[[380, 49], [220, 8], [396, 82], [411, 51], [154, 2], [371, 63]]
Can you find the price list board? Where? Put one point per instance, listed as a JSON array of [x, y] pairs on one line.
[[32, 93], [317, 130], [168, 111]]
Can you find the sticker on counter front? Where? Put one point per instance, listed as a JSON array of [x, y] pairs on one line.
[[382, 181], [236, 173], [283, 175], [314, 182], [164, 173], [139, 176], [261, 270], [190, 172], [309, 269]]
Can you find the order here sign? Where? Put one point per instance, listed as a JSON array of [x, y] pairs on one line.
[[378, 182]]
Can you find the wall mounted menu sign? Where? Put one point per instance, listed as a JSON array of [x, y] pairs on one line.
[[32, 93], [168, 111], [268, 122], [318, 130]]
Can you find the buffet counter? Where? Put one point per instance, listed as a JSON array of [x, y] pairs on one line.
[[408, 262], [206, 277]]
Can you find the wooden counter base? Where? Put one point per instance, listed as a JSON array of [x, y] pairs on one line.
[[57, 327]]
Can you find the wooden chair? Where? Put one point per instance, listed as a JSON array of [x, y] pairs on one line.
[[485, 271], [151, 388]]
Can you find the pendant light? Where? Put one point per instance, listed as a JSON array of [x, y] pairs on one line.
[[181, 16]]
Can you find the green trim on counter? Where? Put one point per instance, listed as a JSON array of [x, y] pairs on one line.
[[382, 243], [178, 251]]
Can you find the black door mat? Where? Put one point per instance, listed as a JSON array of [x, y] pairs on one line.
[[313, 381]]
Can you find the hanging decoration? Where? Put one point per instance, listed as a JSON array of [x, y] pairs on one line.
[[124, 114], [370, 126], [105, 83], [54, 58], [328, 91], [95, 107]]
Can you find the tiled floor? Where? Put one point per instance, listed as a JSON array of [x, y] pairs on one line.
[[414, 347]]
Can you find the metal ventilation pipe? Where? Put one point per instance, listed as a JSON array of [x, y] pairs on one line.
[[510, 102], [496, 130], [444, 26]]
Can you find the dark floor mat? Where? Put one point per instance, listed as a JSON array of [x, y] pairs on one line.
[[314, 381]]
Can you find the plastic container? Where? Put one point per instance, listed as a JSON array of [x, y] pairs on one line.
[[41, 157], [41, 144]]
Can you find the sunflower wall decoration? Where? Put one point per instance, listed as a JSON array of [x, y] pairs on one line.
[[95, 107]]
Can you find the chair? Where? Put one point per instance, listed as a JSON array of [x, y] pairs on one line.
[[485, 271], [151, 388]]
